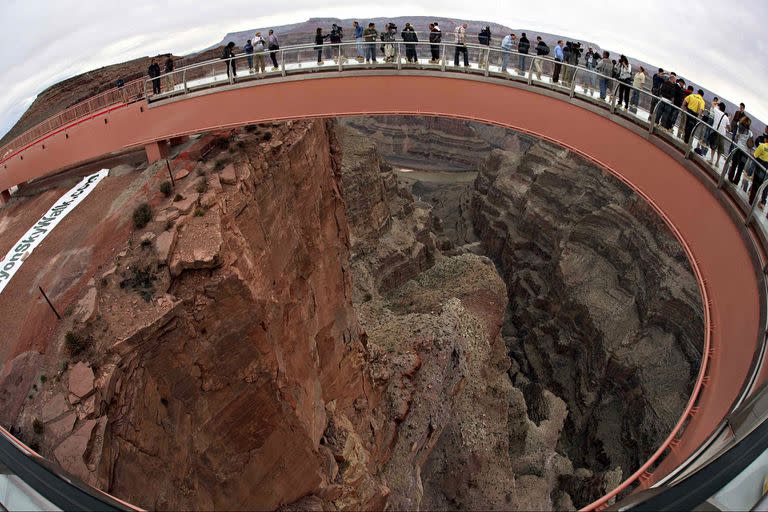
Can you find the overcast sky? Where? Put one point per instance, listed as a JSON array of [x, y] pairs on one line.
[[720, 44]]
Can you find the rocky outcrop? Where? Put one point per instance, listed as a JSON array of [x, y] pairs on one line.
[[604, 309]]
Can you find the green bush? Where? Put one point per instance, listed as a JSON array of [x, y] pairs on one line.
[[76, 343], [178, 197], [202, 186], [142, 215], [165, 188]]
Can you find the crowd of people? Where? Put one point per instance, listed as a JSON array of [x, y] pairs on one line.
[[607, 77]]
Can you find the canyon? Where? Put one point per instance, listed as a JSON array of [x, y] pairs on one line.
[[369, 313]]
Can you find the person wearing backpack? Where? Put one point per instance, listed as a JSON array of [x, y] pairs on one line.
[[248, 49], [522, 48], [484, 38], [435, 37], [273, 45], [259, 49], [542, 50]]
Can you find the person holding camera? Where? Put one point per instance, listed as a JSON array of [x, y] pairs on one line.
[[461, 45], [625, 77], [508, 45]]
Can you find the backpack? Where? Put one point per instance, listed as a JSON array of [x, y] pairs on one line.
[[544, 49]]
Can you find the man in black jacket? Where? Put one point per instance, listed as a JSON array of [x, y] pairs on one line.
[[667, 94], [229, 52], [541, 50], [435, 37], [484, 38], [522, 48], [154, 72], [409, 36]]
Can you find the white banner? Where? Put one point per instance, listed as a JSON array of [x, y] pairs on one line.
[[24, 247]]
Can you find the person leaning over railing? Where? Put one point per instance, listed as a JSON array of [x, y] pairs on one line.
[[694, 105], [542, 50], [717, 138], [435, 36], [273, 45], [370, 35], [461, 45], [739, 160]]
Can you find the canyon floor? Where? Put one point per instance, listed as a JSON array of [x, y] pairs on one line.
[[379, 312]]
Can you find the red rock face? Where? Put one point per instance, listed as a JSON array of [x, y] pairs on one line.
[[221, 394]]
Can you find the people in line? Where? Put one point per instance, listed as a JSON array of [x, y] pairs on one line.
[[409, 36], [694, 105], [742, 138], [319, 40], [461, 45], [358, 35], [229, 53], [435, 38], [370, 36], [154, 72], [273, 45], [248, 49], [484, 38], [720, 124], [508, 45], [605, 68], [542, 50], [625, 77], [259, 49], [559, 58]]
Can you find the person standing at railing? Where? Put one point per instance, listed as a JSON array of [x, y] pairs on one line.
[[761, 155], [358, 35], [319, 40], [720, 123], [370, 35], [461, 45], [735, 123], [667, 95], [507, 46], [484, 38], [680, 93], [693, 105], [388, 38], [336, 35], [625, 78], [590, 63], [248, 49], [435, 37], [229, 53], [169, 72], [523, 46], [638, 82], [259, 49], [154, 72], [707, 117], [559, 58], [742, 138], [409, 36], [542, 50], [273, 45], [605, 68], [658, 80]]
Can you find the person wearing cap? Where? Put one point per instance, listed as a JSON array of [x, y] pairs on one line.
[[259, 49]]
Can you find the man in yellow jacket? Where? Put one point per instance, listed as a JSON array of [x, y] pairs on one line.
[[694, 105], [761, 155]]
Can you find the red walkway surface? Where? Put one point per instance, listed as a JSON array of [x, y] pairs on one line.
[[721, 257]]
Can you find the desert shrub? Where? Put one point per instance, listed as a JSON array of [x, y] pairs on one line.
[[222, 143], [251, 127], [43, 378], [140, 280], [221, 163], [38, 426], [178, 197], [202, 186], [165, 188], [199, 212], [142, 215], [168, 225], [76, 343], [267, 136]]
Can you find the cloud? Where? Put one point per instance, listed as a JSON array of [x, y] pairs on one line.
[[720, 48]]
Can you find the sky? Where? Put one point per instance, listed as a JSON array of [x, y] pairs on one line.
[[718, 44]]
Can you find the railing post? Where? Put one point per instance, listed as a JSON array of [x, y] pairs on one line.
[[397, 55], [339, 55], [613, 97], [442, 67], [184, 81], [689, 149], [487, 61], [230, 70], [652, 119], [728, 159], [530, 69], [282, 62], [573, 82]]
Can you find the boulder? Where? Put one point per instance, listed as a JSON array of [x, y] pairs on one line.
[[81, 379], [54, 408]]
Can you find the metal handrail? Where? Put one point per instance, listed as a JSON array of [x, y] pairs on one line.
[[570, 87]]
